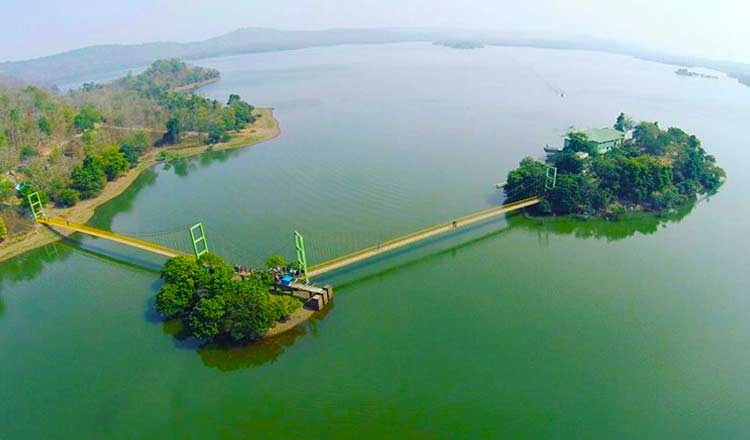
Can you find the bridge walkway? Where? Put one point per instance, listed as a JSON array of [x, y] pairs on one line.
[[399, 242], [112, 236]]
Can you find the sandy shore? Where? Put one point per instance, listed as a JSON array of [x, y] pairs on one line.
[[265, 127], [298, 317]]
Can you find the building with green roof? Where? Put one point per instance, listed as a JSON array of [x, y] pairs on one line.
[[605, 138]]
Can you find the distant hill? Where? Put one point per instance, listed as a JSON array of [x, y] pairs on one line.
[[93, 60]]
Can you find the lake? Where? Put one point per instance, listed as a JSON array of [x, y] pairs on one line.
[[516, 328]]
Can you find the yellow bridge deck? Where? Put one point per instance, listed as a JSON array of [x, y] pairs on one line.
[[94, 232], [414, 237]]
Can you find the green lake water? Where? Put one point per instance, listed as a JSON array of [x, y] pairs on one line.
[[516, 328]]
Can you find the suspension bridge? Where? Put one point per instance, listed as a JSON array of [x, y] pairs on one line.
[[199, 243]]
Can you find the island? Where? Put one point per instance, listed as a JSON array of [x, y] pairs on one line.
[[685, 72], [214, 302], [603, 173], [459, 44], [82, 148]]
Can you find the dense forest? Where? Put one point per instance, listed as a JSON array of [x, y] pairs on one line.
[[655, 170], [214, 304], [68, 146]]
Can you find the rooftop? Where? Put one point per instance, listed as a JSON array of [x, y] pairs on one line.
[[600, 135]]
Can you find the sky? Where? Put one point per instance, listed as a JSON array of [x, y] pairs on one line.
[[712, 28]]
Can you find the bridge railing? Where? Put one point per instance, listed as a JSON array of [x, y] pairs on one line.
[[426, 231]]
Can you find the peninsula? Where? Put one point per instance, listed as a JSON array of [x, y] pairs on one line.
[[85, 147]]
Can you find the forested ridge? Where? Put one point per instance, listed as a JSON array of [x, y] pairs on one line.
[[68, 146], [655, 170]]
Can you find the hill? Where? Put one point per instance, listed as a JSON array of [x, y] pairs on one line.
[[94, 60], [89, 61]]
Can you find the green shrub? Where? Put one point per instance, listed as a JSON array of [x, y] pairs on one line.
[[3, 230], [114, 163], [86, 118], [174, 299], [6, 188], [283, 306], [89, 178], [67, 197], [28, 152], [276, 261], [133, 147]]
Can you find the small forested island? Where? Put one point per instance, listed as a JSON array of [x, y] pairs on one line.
[[81, 148], [459, 44], [685, 72], [215, 304], [655, 170]]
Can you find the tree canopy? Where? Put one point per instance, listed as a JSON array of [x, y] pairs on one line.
[[624, 123], [214, 304]]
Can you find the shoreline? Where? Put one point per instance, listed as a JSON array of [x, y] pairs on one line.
[[299, 316], [265, 128]]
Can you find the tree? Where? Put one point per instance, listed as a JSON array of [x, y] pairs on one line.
[[220, 274], [67, 197], [206, 318], [174, 128], [25, 189], [28, 152], [133, 147], [242, 112], [276, 261], [216, 135], [250, 312], [568, 162], [577, 141], [44, 125], [113, 163], [525, 181], [650, 137], [174, 299], [624, 122], [667, 199], [6, 188], [89, 178], [183, 270], [573, 194], [87, 117]]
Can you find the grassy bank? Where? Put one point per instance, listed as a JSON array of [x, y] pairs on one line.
[[265, 127]]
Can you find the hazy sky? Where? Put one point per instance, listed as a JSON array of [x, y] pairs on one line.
[[715, 28]]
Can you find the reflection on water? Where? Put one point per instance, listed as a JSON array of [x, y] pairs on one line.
[[183, 166], [268, 350], [643, 223], [451, 244], [123, 202], [230, 357], [27, 266]]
